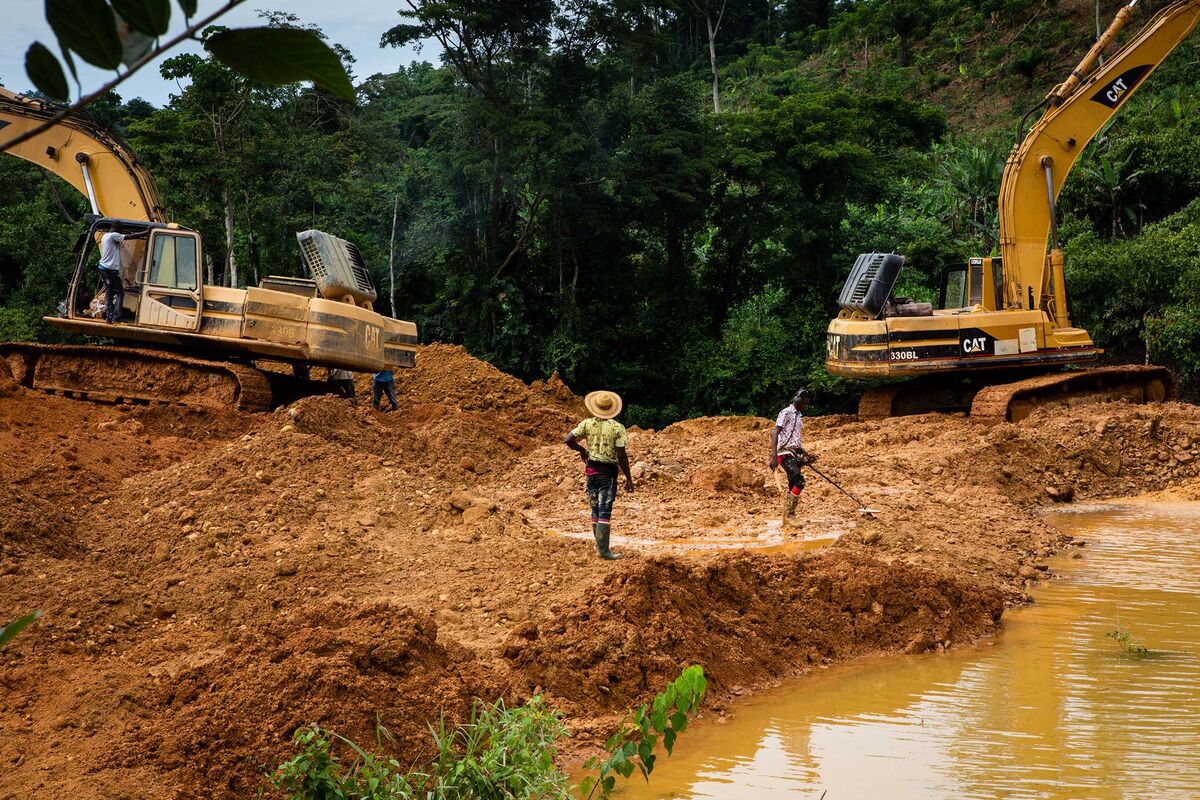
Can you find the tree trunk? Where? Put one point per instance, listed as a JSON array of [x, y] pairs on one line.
[[253, 247], [230, 259], [392, 257], [712, 57], [208, 266]]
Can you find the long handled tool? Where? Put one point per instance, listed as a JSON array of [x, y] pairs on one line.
[[862, 507]]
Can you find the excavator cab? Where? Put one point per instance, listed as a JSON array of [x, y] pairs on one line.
[[160, 273], [979, 282]]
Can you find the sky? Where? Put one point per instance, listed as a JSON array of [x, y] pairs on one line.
[[356, 24]]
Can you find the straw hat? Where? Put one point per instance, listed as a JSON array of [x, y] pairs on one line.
[[603, 404]]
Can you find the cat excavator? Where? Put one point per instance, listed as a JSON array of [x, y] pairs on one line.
[[1001, 338], [179, 341]]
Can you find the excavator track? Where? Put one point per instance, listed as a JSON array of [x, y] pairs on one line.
[[877, 403], [127, 375], [919, 396], [1015, 401]]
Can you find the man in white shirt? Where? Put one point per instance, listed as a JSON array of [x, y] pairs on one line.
[[787, 451], [110, 271]]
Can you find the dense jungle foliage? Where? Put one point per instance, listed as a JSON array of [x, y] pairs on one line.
[[607, 190]]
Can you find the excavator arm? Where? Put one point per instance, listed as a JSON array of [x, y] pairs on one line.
[[85, 155], [1076, 111]]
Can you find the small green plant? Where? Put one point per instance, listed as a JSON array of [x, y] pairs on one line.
[[1129, 646], [634, 745], [13, 628], [315, 773], [501, 753]]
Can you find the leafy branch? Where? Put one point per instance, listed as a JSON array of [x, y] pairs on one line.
[[501, 753], [90, 28], [633, 746]]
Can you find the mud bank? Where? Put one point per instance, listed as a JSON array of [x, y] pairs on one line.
[[211, 581]]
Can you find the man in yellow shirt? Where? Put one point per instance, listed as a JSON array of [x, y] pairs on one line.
[[605, 451]]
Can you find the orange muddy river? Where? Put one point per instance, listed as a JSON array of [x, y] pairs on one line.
[[1053, 708]]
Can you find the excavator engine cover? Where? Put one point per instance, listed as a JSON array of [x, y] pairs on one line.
[[337, 266], [870, 283]]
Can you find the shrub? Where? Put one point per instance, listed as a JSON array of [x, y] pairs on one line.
[[501, 753]]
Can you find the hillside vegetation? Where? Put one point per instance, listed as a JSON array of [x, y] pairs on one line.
[[561, 193]]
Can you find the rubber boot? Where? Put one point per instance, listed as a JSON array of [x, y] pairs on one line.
[[789, 508], [602, 538]]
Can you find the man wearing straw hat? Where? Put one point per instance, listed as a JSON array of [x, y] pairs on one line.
[[605, 451], [787, 452]]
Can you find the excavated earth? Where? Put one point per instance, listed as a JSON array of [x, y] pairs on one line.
[[212, 581]]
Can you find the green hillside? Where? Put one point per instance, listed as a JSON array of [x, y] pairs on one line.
[[567, 197]]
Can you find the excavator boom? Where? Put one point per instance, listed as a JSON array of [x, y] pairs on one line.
[[85, 155], [1077, 109]]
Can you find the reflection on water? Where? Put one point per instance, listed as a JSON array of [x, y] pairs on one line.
[[1052, 711]]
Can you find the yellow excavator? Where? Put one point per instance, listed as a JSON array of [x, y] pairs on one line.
[[1000, 319], [195, 345]]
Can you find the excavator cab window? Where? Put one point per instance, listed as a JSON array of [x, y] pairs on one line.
[[954, 287], [975, 284], [174, 262]]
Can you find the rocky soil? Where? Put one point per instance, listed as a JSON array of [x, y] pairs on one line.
[[212, 581]]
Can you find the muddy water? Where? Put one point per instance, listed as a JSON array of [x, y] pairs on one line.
[[773, 539], [1051, 710]]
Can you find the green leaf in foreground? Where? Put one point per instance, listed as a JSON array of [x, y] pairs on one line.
[[46, 73], [89, 28], [151, 17], [278, 56], [13, 628], [633, 746], [188, 6]]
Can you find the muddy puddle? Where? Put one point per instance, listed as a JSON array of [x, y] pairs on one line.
[[772, 540], [1051, 709]]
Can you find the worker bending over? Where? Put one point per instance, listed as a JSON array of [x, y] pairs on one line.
[[606, 440], [786, 450]]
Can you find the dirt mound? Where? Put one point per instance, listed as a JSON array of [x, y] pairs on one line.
[[8, 384], [211, 580], [447, 375], [345, 668], [333, 419], [745, 618], [467, 407], [63, 459]]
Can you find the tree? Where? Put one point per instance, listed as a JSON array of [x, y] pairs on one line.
[[713, 13]]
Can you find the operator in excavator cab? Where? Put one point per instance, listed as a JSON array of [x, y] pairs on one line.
[[110, 269]]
